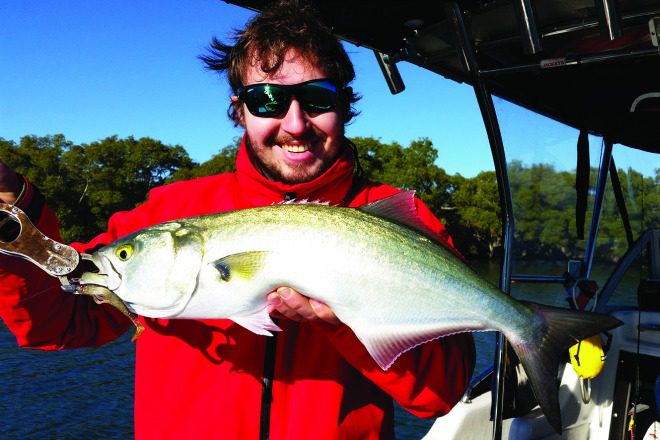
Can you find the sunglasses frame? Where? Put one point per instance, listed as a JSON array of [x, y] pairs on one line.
[[289, 91]]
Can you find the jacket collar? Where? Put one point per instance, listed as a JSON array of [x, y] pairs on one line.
[[332, 186]]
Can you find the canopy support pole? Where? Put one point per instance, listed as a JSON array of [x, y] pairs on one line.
[[485, 101], [527, 25]]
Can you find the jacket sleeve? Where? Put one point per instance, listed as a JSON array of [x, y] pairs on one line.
[[32, 304], [34, 307], [430, 379]]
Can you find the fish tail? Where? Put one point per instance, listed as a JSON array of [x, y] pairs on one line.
[[542, 351]]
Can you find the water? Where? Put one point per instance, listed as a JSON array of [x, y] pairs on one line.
[[75, 394], [85, 393], [70, 394]]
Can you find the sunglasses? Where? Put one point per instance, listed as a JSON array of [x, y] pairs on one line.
[[267, 100]]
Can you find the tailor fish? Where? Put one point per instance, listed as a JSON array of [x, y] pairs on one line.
[[378, 267]]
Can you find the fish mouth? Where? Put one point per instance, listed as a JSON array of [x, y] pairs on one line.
[[107, 276]]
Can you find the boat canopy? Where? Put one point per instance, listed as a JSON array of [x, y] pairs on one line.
[[593, 65]]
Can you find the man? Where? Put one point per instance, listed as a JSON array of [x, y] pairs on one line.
[[212, 378]]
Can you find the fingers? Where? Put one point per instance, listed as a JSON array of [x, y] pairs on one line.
[[290, 304], [9, 184], [324, 312]]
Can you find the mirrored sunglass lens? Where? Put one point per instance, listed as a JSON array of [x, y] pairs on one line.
[[266, 100], [271, 100], [318, 97]]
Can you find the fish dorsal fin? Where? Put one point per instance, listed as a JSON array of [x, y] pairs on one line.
[[399, 208], [302, 202], [243, 264]]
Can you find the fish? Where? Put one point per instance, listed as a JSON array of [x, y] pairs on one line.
[[378, 267]]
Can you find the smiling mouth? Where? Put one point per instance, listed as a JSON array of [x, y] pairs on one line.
[[296, 148]]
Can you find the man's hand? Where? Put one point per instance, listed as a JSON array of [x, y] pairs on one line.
[[9, 184], [289, 303]]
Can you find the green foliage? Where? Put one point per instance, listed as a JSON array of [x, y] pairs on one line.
[[38, 158], [86, 183], [544, 206], [468, 207], [642, 198], [477, 225], [222, 162], [409, 168]]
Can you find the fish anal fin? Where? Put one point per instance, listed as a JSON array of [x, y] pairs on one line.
[[259, 323], [244, 265], [386, 346]]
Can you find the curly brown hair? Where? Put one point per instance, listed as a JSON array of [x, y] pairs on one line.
[[269, 36]]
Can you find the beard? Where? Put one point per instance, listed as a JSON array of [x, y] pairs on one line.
[[290, 173]]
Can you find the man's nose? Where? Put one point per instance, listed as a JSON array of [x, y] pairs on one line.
[[295, 120]]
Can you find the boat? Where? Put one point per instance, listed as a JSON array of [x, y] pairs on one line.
[[591, 66]]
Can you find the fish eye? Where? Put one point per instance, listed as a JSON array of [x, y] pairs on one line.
[[124, 252]]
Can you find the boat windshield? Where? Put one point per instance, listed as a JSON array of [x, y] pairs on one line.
[[541, 162]]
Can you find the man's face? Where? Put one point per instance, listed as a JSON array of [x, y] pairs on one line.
[[296, 146]]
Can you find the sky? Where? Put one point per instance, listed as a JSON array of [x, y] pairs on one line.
[[89, 69]]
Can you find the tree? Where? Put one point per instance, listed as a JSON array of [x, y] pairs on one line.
[[544, 209], [85, 184], [222, 162], [477, 226], [116, 174], [409, 168], [468, 208], [38, 158]]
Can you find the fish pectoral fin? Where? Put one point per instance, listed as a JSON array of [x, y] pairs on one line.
[[259, 323], [244, 265]]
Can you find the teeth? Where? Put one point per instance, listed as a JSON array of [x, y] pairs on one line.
[[295, 148]]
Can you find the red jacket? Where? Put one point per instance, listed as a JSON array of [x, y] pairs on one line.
[[203, 378]]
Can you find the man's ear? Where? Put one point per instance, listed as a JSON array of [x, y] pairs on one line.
[[238, 110]]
